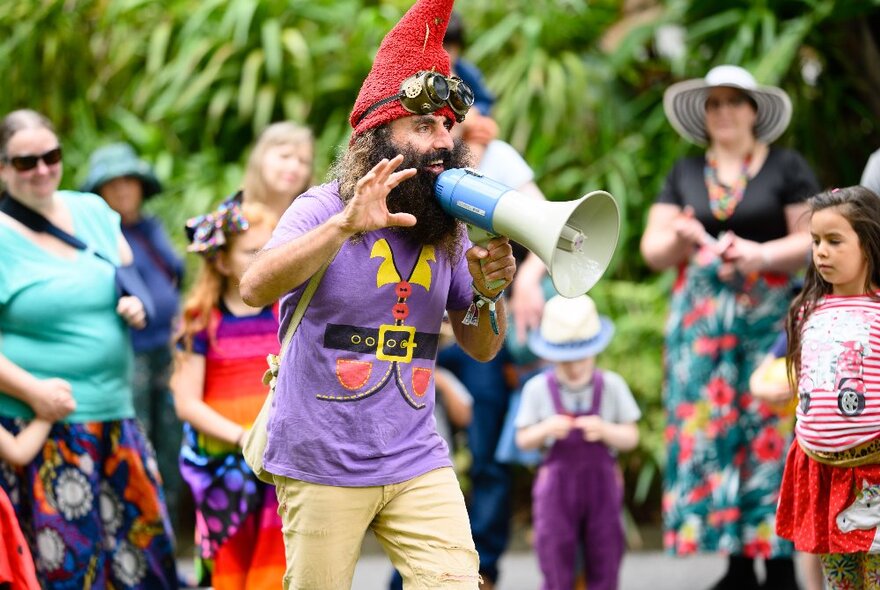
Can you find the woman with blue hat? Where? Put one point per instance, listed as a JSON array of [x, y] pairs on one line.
[[125, 182], [581, 417]]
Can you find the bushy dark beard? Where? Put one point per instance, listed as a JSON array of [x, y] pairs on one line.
[[414, 195]]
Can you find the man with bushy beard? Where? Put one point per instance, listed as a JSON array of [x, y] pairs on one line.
[[352, 443], [416, 196]]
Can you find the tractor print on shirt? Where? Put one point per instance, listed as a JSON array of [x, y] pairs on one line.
[[834, 350], [848, 377]]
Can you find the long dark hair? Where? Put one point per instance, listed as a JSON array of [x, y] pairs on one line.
[[861, 208]]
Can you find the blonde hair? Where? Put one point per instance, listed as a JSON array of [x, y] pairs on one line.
[[205, 293], [281, 133]]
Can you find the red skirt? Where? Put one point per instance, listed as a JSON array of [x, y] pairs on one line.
[[16, 563], [825, 509]]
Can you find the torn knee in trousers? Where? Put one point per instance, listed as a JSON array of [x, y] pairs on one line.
[[456, 575]]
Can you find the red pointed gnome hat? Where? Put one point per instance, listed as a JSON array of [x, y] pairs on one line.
[[413, 45]]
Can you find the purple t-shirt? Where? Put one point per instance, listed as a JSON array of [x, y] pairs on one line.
[[354, 399]]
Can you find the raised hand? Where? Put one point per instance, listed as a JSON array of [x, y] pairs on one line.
[[368, 209]]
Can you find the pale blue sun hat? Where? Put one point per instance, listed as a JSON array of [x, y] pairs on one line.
[[571, 330]]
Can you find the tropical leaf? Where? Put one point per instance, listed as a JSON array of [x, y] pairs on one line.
[[190, 83]]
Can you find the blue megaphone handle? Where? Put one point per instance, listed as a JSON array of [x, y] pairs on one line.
[[471, 197]]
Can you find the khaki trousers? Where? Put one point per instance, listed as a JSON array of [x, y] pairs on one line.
[[422, 525]]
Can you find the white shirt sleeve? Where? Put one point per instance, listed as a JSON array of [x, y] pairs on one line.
[[502, 163], [622, 407], [534, 402]]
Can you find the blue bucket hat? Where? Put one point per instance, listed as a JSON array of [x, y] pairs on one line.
[[115, 161], [571, 330]]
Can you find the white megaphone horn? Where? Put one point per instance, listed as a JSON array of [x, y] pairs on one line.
[[575, 239]]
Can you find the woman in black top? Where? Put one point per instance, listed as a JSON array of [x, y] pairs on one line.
[[732, 222]]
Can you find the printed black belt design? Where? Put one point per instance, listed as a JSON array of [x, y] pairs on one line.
[[389, 342]]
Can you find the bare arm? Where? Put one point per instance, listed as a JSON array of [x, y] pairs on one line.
[[623, 437], [480, 341], [790, 254], [533, 437], [787, 254], [527, 300], [21, 450], [187, 385], [130, 308], [766, 385], [670, 236], [275, 272]]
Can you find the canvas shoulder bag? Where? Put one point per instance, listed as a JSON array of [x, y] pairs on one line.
[[256, 438]]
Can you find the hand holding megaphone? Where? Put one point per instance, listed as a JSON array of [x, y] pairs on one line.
[[574, 239]]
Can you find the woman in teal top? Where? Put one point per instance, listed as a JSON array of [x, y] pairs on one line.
[[91, 503]]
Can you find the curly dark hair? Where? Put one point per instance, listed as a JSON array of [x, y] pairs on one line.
[[415, 195]]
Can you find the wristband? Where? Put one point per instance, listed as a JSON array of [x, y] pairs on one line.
[[472, 317]]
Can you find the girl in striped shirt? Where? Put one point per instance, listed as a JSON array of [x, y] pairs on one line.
[[218, 392], [830, 498]]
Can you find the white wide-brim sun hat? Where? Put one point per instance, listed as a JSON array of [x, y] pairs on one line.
[[685, 104], [571, 330]]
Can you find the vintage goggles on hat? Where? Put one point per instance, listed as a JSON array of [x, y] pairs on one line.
[[425, 92]]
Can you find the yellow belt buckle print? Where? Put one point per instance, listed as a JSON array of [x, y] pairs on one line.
[[408, 343]]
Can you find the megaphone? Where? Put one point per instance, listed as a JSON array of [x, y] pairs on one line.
[[574, 239]]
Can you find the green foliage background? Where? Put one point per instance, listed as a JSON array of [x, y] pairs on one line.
[[579, 86]]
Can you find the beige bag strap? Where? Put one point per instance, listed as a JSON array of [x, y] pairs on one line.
[[300, 310]]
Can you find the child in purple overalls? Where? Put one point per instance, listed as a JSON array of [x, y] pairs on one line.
[[582, 416]]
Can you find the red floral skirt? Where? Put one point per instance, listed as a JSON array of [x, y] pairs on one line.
[[825, 509]]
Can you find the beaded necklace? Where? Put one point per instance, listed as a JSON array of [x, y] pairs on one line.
[[723, 199]]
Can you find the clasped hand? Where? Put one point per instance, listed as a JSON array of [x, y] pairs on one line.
[[737, 254], [560, 425], [52, 399]]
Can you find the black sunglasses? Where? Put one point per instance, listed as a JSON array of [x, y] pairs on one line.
[[25, 163]]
